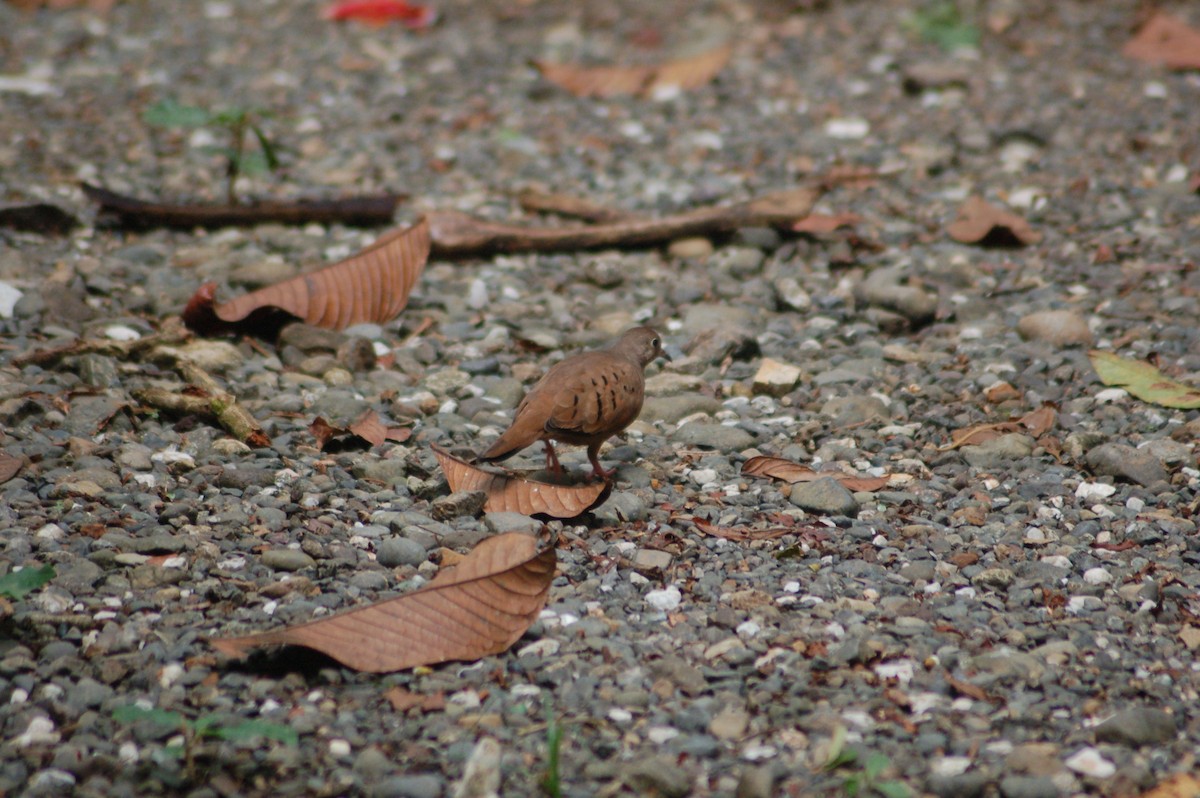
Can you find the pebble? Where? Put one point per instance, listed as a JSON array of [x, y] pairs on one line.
[[1137, 726], [713, 436], [287, 560], [826, 496], [774, 378], [1125, 462], [1089, 762], [399, 551], [1056, 327], [664, 600]]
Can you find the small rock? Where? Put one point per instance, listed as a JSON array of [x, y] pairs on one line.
[[885, 288], [825, 495], [459, 503], [481, 776], [1056, 327], [849, 411], [774, 378], [664, 600], [503, 523], [757, 782], [1089, 762], [659, 776], [1000, 451], [1190, 635], [713, 436], [398, 551], [998, 578], [730, 723], [652, 558], [421, 786], [693, 248], [210, 355], [672, 408], [1126, 462], [1137, 726], [287, 560], [1028, 787]]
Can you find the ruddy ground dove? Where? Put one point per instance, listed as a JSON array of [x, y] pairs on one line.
[[583, 400]]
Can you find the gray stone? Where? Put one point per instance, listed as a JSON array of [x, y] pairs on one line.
[[459, 503], [672, 408], [713, 436], [1126, 462], [885, 288], [994, 578], [1028, 787], [659, 776], [425, 785], [389, 472], [621, 506], [825, 495], [1138, 726], [503, 523], [852, 410], [398, 551], [652, 558], [287, 560], [757, 782], [999, 451]]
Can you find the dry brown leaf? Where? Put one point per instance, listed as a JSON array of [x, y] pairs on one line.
[[517, 495], [1181, 785], [792, 472], [980, 222], [368, 426], [743, 533], [971, 690], [479, 607], [370, 286], [612, 81], [10, 466], [1036, 423], [402, 700], [1167, 40], [824, 223]]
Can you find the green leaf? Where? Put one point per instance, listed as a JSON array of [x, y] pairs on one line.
[[16, 584], [892, 789], [268, 150], [839, 754], [942, 24], [1143, 381], [230, 117], [850, 785], [253, 730], [169, 113], [163, 717], [253, 163], [876, 763]]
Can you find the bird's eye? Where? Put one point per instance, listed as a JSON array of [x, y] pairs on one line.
[[655, 343]]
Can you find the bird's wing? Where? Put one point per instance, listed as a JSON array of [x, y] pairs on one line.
[[599, 395]]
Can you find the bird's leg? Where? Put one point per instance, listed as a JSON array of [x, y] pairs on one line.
[[598, 471], [552, 464]]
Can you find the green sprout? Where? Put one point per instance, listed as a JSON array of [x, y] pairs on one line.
[[237, 123], [861, 779], [943, 23], [551, 781]]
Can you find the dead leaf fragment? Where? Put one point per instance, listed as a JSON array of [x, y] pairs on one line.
[[792, 472], [368, 427], [370, 286], [10, 466], [1035, 423], [1181, 785], [402, 700], [1143, 381], [823, 223], [517, 495], [682, 74], [1167, 40], [980, 222], [479, 607]]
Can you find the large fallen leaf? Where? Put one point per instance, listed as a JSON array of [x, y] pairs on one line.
[[1035, 424], [1143, 381], [610, 81], [370, 286], [517, 495], [1181, 785], [980, 222], [479, 607], [1167, 40], [793, 472]]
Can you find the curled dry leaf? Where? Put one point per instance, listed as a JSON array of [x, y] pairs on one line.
[[517, 495], [1035, 424], [479, 607], [370, 286], [368, 426], [10, 466], [740, 533], [1167, 40], [612, 81], [980, 222], [792, 472], [1143, 381]]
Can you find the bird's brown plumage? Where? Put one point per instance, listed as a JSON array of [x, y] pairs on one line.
[[583, 400]]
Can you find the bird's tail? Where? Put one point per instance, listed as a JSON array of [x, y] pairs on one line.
[[502, 448]]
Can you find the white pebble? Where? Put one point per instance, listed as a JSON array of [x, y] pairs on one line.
[[40, 731], [748, 629], [546, 647], [949, 766], [756, 752], [1089, 762], [703, 476], [791, 587], [665, 600], [1097, 576], [1094, 490], [1109, 395], [170, 673], [50, 532], [1057, 560], [902, 670], [339, 748], [618, 715], [661, 734], [477, 295], [1135, 504], [851, 127], [9, 295]]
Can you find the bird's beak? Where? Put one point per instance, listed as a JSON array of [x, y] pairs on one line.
[[663, 354]]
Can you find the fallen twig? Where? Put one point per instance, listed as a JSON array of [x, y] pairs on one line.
[[459, 235], [206, 398], [130, 212], [172, 332], [535, 201]]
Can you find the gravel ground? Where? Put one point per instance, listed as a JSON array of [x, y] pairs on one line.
[[1017, 618]]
